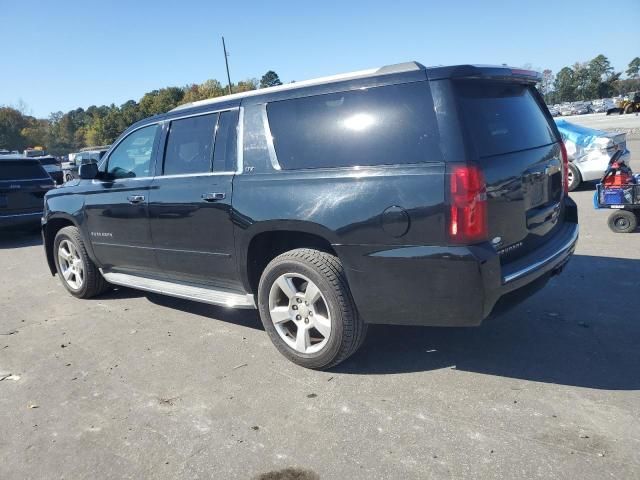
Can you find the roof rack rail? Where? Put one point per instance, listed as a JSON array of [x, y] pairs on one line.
[[384, 70]]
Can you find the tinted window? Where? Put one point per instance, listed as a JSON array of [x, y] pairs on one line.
[[224, 156], [21, 170], [503, 118], [48, 161], [132, 157], [190, 145], [375, 126]]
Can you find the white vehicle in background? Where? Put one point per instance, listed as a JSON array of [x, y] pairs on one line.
[[566, 109], [589, 151]]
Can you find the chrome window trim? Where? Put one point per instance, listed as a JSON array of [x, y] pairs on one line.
[[186, 175], [199, 114], [240, 139], [118, 180], [22, 215], [267, 131]]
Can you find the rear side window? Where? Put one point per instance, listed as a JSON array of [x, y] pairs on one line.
[[224, 155], [375, 126], [503, 118], [21, 170], [190, 145]]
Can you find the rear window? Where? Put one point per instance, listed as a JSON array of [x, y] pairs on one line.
[[375, 126], [503, 118], [21, 170]]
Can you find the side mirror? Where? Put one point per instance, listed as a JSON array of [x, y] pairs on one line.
[[88, 171]]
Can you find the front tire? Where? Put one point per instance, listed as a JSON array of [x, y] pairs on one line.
[[623, 221], [77, 272], [575, 179], [307, 309]]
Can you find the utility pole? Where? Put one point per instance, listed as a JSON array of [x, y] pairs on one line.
[[226, 61]]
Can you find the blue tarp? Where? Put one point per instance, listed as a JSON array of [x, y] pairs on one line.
[[581, 136]]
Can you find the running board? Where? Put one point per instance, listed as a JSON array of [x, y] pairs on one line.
[[190, 292]]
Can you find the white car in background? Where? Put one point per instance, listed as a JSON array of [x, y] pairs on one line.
[[589, 151]]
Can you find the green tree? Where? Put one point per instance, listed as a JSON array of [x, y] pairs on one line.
[[546, 84], [36, 132], [634, 68], [245, 85], [564, 85], [270, 79], [11, 124]]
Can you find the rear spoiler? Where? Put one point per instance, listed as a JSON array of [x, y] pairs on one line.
[[484, 72]]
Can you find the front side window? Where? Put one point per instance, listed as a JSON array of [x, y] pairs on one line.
[[386, 125], [190, 145], [132, 157]]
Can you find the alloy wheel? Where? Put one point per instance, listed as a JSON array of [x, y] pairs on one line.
[[71, 265], [299, 313]]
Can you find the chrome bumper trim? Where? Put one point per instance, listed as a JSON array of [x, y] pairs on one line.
[[565, 249]]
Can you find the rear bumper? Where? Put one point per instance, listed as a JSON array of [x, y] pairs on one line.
[[57, 176], [447, 286], [20, 220]]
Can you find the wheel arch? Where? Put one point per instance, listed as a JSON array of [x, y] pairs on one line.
[[266, 243], [54, 224]]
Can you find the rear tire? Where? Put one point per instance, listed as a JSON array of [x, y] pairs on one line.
[[314, 329], [77, 272], [575, 179], [623, 221]]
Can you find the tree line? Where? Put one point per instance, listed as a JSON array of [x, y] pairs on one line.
[[589, 80], [68, 132], [63, 133]]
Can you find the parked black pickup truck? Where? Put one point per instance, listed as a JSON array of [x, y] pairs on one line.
[[23, 184], [399, 195]]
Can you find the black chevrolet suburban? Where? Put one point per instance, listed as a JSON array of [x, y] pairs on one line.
[[23, 184], [398, 195]]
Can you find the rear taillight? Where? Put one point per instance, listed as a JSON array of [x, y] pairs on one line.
[[468, 205], [565, 168]]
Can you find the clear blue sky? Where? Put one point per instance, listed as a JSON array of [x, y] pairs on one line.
[[64, 54]]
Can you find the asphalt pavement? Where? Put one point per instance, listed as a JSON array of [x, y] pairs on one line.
[[135, 385]]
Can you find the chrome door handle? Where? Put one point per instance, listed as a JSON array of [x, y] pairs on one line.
[[136, 198], [213, 197]]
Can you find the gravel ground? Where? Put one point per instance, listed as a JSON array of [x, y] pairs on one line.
[[134, 385]]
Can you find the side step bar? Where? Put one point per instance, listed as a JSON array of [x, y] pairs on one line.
[[182, 290]]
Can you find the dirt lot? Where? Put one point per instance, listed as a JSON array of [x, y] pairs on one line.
[[137, 386]]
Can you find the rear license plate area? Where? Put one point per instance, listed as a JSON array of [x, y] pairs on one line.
[[537, 194]]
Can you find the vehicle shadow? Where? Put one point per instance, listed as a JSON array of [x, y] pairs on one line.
[[582, 329], [244, 318], [19, 238]]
